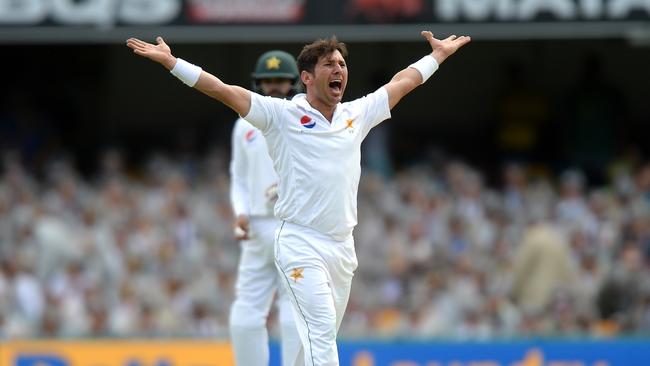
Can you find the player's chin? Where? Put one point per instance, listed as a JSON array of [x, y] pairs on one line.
[[336, 95]]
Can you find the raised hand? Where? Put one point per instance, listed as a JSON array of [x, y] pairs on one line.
[[441, 49], [160, 52]]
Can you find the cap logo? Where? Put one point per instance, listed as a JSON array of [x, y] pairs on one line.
[[273, 63]]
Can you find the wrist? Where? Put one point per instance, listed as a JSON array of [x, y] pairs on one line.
[[188, 73], [426, 66], [241, 219], [169, 63], [439, 56]]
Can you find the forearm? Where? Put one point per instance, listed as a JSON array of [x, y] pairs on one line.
[[235, 97], [230, 95], [417, 73], [408, 79]]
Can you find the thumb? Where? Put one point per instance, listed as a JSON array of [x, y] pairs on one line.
[[428, 35], [160, 40]]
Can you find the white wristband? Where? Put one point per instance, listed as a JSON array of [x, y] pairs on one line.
[[186, 72], [427, 65]]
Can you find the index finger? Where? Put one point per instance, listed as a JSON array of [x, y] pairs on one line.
[[463, 40], [137, 41]]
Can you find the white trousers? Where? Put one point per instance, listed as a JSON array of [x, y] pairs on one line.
[[257, 283], [317, 272]]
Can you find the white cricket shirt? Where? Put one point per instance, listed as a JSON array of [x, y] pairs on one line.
[[252, 178], [318, 163]]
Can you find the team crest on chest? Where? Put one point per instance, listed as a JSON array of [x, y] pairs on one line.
[[307, 122], [349, 125], [296, 273]]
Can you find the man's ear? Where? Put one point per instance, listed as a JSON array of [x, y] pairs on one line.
[[306, 77]]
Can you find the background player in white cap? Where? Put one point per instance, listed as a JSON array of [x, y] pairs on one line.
[[315, 143], [253, 194]]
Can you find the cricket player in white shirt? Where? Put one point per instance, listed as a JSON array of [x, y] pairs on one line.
[[315, 143], [253, 194]]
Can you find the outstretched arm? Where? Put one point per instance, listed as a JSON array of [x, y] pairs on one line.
[[235, 97], [408, 79]]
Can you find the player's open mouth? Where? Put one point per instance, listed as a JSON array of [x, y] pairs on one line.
[[335, 86]]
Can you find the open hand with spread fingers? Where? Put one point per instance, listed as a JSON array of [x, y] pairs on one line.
[[443, 48], [160, 52]]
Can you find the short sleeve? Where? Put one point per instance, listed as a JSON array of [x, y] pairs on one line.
[[375, 108], [263, 112]]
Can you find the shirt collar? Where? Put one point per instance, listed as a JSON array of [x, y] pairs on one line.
[[301, 100]]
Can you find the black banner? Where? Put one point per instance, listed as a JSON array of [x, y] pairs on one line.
[[113, 13], [110, 21]]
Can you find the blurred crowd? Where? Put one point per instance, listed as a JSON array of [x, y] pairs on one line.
[[441, 253]]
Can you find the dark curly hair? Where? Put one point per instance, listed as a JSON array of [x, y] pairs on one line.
[[312, 52]]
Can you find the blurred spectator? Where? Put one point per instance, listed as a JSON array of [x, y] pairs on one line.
[[542, 267], [440, 253]]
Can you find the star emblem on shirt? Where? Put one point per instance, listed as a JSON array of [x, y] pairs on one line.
[[350, 125], [296, 273], [273, 63]]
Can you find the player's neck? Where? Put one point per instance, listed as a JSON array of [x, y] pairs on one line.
[[324, 108]]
